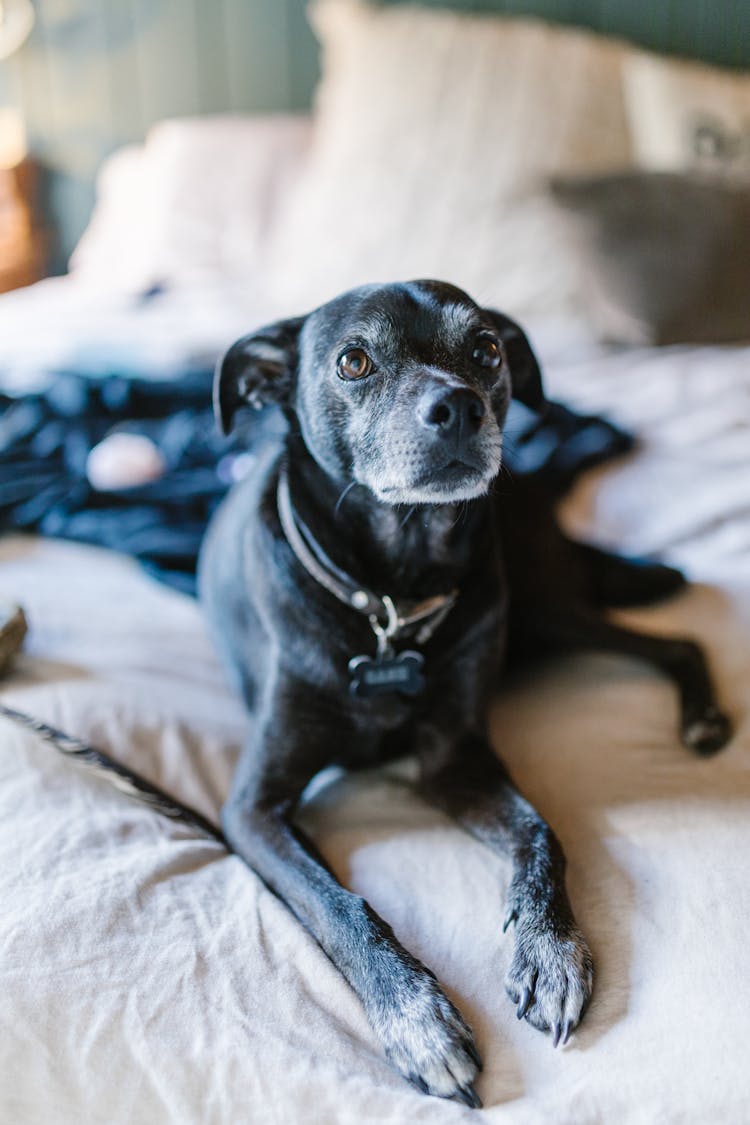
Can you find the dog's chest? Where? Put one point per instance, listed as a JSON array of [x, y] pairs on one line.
[[389, 735], [456, 678]]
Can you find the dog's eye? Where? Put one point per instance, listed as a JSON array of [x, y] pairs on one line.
[[354, 364], [487, 351]]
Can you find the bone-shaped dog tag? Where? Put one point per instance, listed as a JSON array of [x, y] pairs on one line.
[[400, 672]]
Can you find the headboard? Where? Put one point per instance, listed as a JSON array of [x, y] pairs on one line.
[[97, 73]]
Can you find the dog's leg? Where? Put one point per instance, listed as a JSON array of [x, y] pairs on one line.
[[424, 1035], [617, 581], [704, 727], [551, 973]]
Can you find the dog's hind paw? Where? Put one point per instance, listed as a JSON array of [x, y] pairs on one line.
[[550, 978], [429, 1041], [708, 732]]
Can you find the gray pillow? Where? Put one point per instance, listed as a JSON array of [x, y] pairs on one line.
[[665, 256]]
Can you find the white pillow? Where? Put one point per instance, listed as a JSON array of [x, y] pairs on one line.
[[117, 246], [193, 204], [435, 131], [686, 116]]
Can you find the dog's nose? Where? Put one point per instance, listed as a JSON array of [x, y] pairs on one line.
[[451, 411]]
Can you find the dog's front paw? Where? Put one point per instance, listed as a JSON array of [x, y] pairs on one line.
[[550, 977], [428, 1040]]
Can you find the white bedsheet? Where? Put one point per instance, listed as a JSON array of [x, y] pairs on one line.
[[146, 977]]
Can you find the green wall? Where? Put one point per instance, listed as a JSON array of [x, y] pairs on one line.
[[97, 73], [717, 31]]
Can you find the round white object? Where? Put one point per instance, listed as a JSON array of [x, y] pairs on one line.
[[16, 21], [124, 461]]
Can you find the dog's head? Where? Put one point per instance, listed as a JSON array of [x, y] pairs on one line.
[[402, 388]]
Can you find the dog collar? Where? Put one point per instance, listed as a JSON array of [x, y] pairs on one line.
[[388, 618]]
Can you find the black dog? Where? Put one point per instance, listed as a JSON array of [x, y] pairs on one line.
[[357, 588]]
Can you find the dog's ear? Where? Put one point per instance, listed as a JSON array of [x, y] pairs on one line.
[[257, 370], [525, 373]]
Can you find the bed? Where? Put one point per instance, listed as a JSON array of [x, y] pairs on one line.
[[147, 976]]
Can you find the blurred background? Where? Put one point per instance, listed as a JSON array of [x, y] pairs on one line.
[[80, 78], [95, 74]]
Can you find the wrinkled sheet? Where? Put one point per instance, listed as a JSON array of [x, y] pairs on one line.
[[146, 976]]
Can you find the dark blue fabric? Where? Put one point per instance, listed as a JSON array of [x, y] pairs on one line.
[[45, 439]]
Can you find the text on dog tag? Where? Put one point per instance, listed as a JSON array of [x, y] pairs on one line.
[[400, 672]]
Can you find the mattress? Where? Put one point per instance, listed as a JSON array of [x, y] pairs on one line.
[[147, 976]]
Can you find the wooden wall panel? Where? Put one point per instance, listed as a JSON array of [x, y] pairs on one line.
[[212, 32], [302, 55], [166, 58], [257, 53], [98, 73]]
